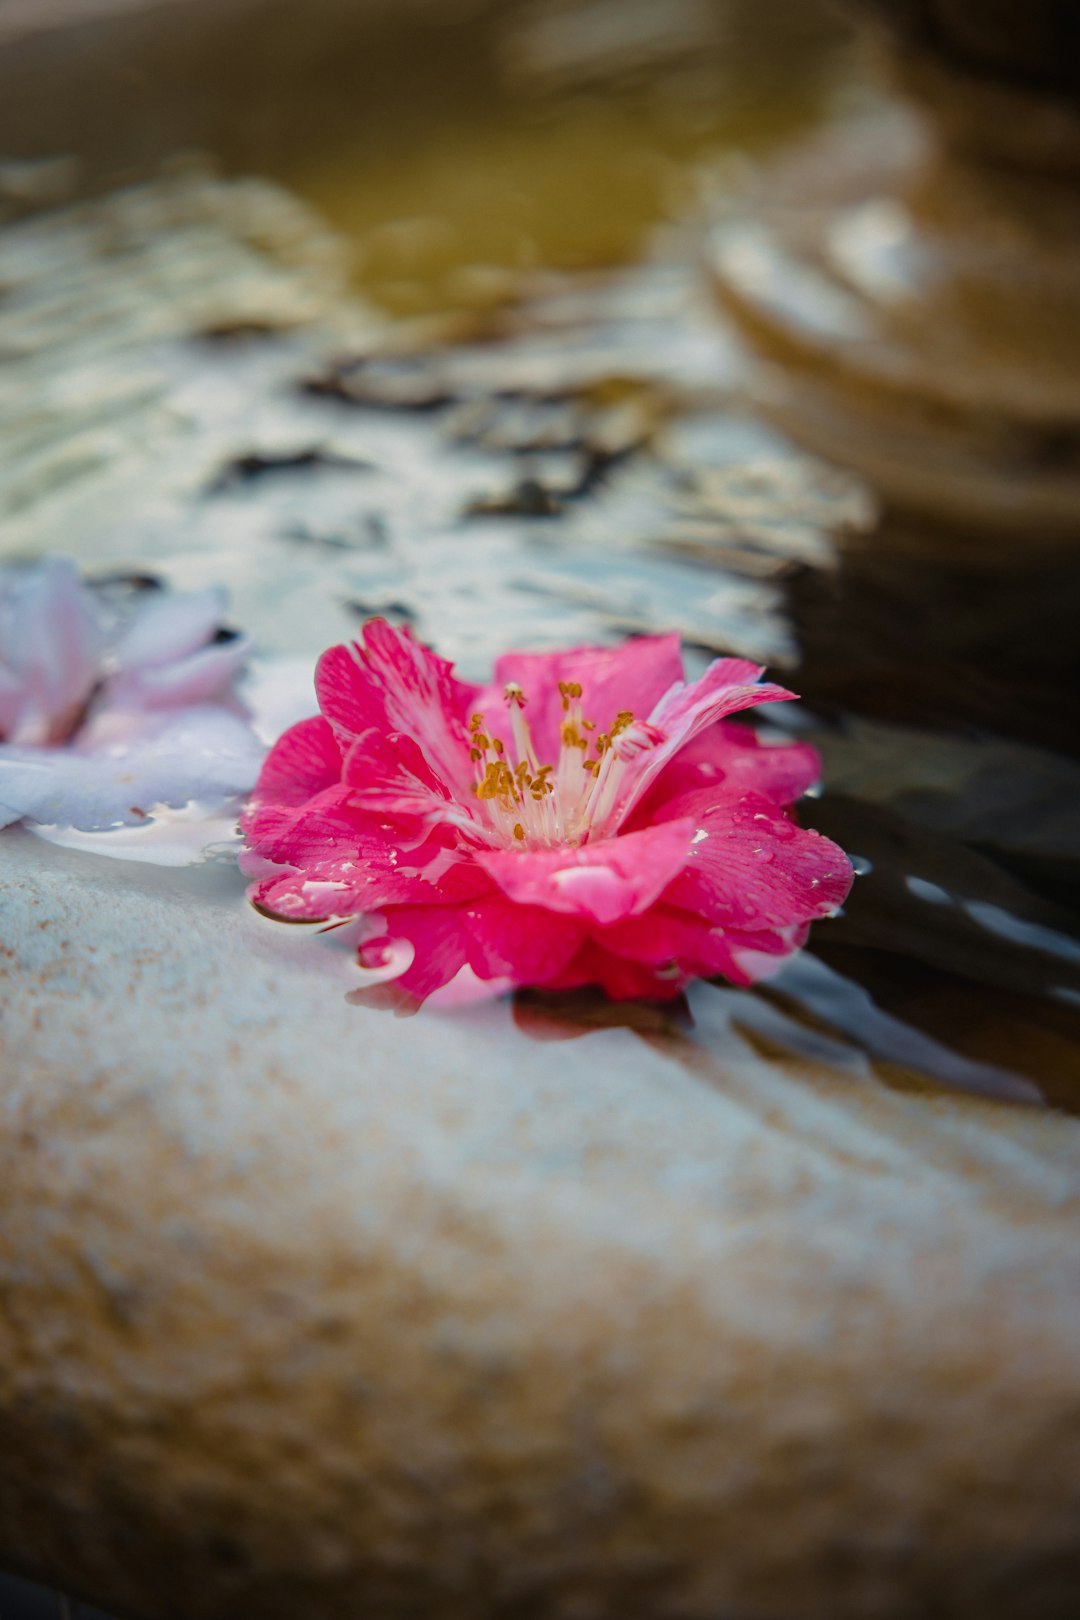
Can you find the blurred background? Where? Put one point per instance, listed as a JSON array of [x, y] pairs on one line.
[[455, 144]]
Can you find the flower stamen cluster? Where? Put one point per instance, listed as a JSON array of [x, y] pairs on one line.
[[542, 806]]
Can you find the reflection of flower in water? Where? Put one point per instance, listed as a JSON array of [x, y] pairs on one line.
[[115, 699], [590, 818]]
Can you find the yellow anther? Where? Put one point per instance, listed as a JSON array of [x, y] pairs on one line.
[[511, 776], [498, 782]]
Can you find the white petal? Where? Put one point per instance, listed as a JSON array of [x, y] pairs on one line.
[[169, 626], [199, 677], [140, 762]]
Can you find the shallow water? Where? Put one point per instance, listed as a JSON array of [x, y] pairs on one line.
[[567, 457]]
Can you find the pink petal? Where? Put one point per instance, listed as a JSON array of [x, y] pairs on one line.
[[634, 676], [439, 947], [619, 978], [688, 947], [523, 943], [750, 866], [51, 644], [329, 837], [390, 776], [727, 686], [752, 962], [11, 699], [337, 888], [304, 760], [291, 835], [663, 935], [330, 860], [493, 936], [736, 756], [393, 683], [604, 881]]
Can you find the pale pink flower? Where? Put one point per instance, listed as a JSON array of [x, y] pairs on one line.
[[115, 700], [589, 818]]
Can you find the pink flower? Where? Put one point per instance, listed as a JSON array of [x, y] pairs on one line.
[[114, 700], [589, 818]]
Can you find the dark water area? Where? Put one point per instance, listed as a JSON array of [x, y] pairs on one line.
[[489, 173]]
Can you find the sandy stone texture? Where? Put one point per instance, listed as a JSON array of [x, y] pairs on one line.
[[305, 1308]]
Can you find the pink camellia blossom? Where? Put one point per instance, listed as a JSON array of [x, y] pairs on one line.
[[115, 698], [589, 818]]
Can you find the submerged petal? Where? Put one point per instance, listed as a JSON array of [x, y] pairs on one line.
[[439, 947], [619, 977]]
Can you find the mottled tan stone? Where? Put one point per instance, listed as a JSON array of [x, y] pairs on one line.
[[307, 1309]]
